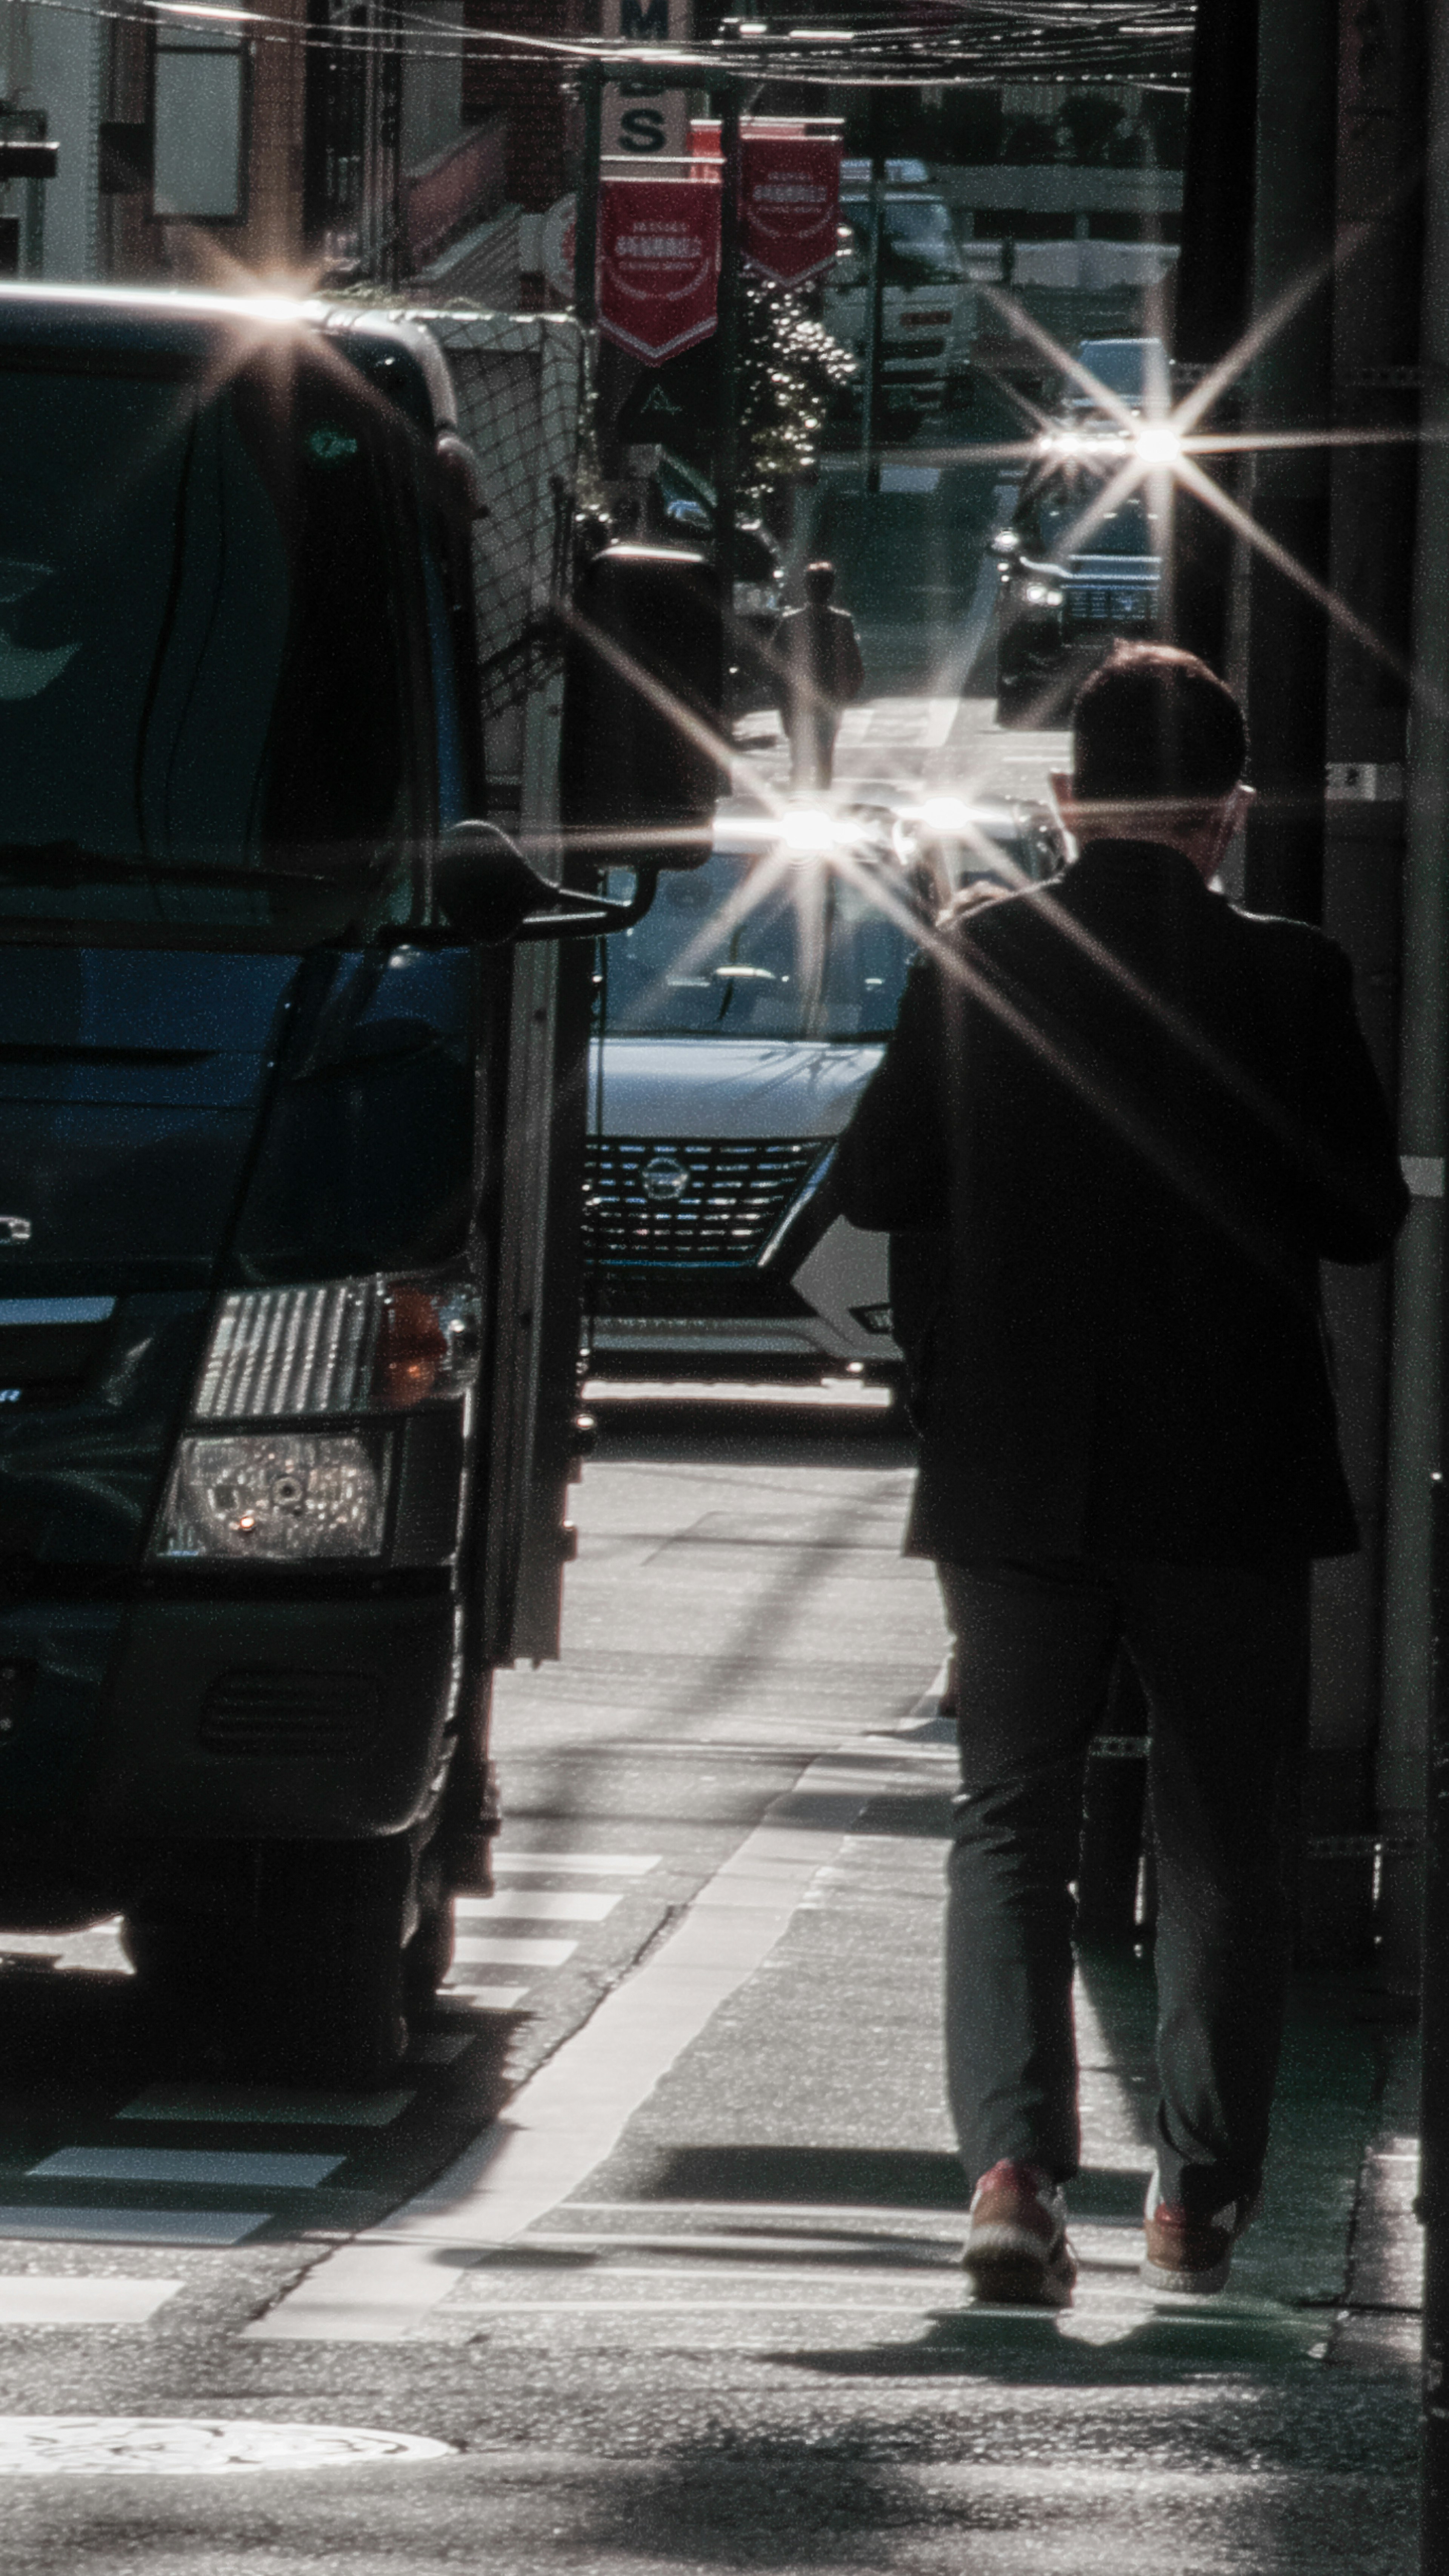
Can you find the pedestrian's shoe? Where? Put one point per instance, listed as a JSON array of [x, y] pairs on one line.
[[1192, 2255], [1017, 2253]]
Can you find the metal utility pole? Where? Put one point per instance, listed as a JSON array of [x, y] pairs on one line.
[[1214, 299], [874, 301], [1291, 389], [1434, 2099], [731, 299]]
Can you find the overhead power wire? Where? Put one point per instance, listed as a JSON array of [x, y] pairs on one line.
[[1083, 42]]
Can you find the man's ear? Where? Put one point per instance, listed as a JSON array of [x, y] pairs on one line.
[[1059, 781]]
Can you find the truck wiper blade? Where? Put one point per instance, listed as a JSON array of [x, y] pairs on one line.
[[70, 863]]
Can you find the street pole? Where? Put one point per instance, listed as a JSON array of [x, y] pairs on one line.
[[1214, 297], [727, 428], [874, 300], [1433, 2202], [1291, 389], [586, 213]]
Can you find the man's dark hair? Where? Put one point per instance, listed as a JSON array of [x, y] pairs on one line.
[[819, 580], [1153, 722]]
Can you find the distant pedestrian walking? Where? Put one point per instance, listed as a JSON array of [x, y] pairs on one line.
[[818, 670]]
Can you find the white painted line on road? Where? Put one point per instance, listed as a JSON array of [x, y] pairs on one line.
[[846, 1394], [130, 2226], [79, 2299], [926, 2252], [272, 2106], [525, 1952], [566, 2119], [184, 2164], [440, 2047], [514, 1864], [484, 1998], [536, 1905]]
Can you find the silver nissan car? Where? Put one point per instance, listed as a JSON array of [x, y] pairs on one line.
[[742, 1018]]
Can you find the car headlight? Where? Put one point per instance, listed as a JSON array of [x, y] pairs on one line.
[[362, 1348], [1039, 594], [276, 1497]]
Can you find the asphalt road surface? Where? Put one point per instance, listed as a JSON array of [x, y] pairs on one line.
[[650, 2260]]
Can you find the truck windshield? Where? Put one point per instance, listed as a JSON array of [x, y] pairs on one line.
[[744, 949], [203, 700], [919, 247]]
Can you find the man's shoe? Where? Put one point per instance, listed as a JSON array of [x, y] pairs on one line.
[[1192, 2255], [1017, 2253]]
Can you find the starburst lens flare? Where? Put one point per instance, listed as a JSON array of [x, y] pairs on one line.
[[1158, 445], [808, 831]]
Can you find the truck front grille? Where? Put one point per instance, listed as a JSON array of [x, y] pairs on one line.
[[701, 1200]]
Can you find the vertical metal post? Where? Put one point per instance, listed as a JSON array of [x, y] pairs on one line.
[[586, 214], [1214, 296], [1434, 2102], [874, 300], [731, 297], [1292, 390]]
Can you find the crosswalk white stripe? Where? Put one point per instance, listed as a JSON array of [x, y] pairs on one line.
[[265, 2105], [536, 1905], [130, 2226], [485, 1998], [80, 2299], [526, 1952], [606, 1864], [184, 2164]]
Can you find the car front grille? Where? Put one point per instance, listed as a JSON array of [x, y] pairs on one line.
[[1097, 606], [701, 1200]]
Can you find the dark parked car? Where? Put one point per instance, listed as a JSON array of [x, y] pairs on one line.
[[1074, 576]]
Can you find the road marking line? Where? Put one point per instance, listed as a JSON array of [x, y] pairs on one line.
[[440, 2047], [273, 2106], [131, 2226], [536, 1905], [78, 2299], [524, 1951], [569, 2116], [638, 2307], [624, 1864], [483, 1998], [184, 2164]]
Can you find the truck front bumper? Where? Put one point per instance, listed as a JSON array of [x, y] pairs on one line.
[[205, 1718]]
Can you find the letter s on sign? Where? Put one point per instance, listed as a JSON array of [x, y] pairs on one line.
[[642, 129]]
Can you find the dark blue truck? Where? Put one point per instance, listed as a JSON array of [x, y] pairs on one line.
[[289, 1167]]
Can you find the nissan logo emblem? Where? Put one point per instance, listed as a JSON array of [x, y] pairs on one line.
[[665, 1178]]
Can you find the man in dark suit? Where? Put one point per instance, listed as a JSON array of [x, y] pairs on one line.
[[816, 654], [1138, 1117]]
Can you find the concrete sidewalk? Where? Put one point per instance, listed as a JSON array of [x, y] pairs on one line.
[[771, 2252]]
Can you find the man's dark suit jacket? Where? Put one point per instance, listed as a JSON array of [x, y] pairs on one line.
[[1140, 1117]]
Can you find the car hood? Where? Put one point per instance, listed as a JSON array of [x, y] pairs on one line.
[[730, 1087]]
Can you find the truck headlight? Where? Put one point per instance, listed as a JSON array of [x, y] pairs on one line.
[[275, 1498], [279, 1362]]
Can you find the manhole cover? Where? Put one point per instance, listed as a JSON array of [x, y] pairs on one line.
[[139, 2446]]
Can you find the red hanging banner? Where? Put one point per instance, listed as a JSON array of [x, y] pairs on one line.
[[658, 264], [789, 203]]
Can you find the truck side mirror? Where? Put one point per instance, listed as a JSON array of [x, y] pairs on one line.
[[484, 887], [486, 892], [645, 752]]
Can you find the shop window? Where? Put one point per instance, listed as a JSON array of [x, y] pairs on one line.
[[200, 124]]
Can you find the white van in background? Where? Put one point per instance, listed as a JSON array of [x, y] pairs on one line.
[[928, 305], [742, 1018]]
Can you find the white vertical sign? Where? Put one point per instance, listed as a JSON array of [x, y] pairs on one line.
[[644, 125]]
